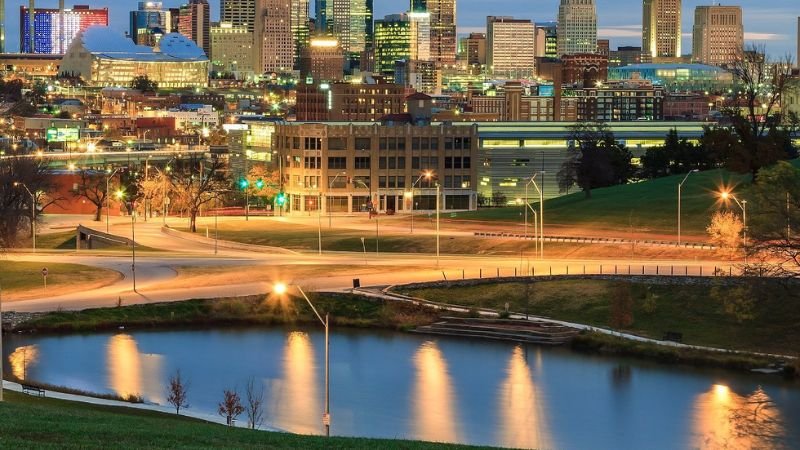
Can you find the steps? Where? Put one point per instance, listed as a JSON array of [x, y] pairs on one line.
[[533, 332]]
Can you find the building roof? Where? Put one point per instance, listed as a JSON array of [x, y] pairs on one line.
[[670, 66], [107, 43]]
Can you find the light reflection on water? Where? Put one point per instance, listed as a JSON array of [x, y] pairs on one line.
[[408, 386], [434, 403]]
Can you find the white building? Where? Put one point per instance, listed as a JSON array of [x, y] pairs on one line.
[[510, 47]]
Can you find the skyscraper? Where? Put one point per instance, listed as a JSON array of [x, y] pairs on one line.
[[194, 22], [547, 40], [239, 13], [510, 45], [661, 28], [351, 22], [274, 36], [392, 43], [55, 33], [420, 35], [147, 22], [718, 34], [798, 42], [577, 27], [299, 23], [443, 28]]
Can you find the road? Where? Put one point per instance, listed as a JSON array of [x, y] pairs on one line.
[[156, 269]]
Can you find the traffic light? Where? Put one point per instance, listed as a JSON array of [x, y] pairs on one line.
[[259, 183], [280, 199], [243, 183]]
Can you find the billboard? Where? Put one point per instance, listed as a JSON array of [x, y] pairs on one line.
[[62, 134]]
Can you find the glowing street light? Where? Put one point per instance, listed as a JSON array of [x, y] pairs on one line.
[[282, 289]]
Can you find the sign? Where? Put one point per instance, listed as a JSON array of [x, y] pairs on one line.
[[326, 419], [63, 135], [44, 272]]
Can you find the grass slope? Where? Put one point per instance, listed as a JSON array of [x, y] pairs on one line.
[[43, 423], [649, 206], [17, 276], [657, 308]]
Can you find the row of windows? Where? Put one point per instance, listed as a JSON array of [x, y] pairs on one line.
[[384, 143]]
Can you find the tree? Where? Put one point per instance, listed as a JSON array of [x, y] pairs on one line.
[[255, 404], [595, 159], [92, 187], [17, 174], [725, 231], [621, 306], [197, 184], [143, 83], [774, 218], [262, 182], [156, 190], [755, 137], [231, 406], [177, 392], [498, 198]]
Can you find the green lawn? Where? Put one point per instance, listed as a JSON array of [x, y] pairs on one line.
[[17, 276], [649, 206], [688, 309], [63, 240], [43, 423]]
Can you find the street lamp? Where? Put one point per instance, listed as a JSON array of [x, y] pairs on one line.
[[33, 213], [541, 211], [1, 342], [680, 186], [725, 195], [108, 199], [281, 289], [438, 209], [427, 175], [120, 195], [330, 186]]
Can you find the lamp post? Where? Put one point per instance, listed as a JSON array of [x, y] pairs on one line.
[[33, 212], [541, 211], [133, 243], [743, 206], [426, 175], [438, 208], [330, 186], [680, 186], [1, 342], [280, 289], [108, 198]]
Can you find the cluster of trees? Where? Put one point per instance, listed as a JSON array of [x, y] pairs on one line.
[[20, 180]]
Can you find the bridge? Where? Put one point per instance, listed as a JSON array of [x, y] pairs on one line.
[[77, 160]]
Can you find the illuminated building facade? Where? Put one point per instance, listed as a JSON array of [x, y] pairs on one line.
[[577, 27], [661, 28], [322, 61], [718, 35], [194, 22], [276, 41], [232, 50], [149, 23], [392, 43], [443, 28], [509, 47], [54, 30]]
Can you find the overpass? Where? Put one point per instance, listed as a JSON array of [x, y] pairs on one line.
[[73, 160]]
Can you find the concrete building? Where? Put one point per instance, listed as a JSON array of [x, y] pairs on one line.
[[627, 55], [421, 76], [239, 13], [275, 41], [718, 35], [443, 28], [54, 29], [476, 49], [194, 22], [661, 28], [584, 69], [367, 101], [233, 50], [322, 61], [577, 27], [361, 167], [102, 57], [547, 40], [510, 45]]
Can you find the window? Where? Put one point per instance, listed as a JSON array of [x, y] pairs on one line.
[[401, 162], [448, 143], [311, 182], [392, 162], [382, 162], [466, 162], [337, 182], [363, 144], [392, 182], [415, 143], [313, 143], [296, 142], [415, 162], [434, 144], [337, 162], [383, 143], [456, 162], [312, 162], [362, 162], [401, 143], [448, 162], [382, 182], [296, 162], [337, 143], [401, 182]]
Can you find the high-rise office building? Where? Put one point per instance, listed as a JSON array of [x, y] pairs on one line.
[[322, 60], [2, 26], [55, 29], [392, 43], [351, 22], [274, 36], [420, 35], [577, 27], [718, 35], [476, 49], [661, 28], [194, 22], [149, 23], [443, 28], [299, 23], [798, 42], [547, 40], [323, 9], [239, 13], [510, 47], [232, 50]]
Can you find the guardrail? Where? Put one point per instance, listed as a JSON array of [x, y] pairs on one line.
[[588, 240], [85, 234]]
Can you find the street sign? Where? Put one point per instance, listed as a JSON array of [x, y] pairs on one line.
[[44, 277], [44, 272]]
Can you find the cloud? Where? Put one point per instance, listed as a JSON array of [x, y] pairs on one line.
[[750, 36], [620, 31]]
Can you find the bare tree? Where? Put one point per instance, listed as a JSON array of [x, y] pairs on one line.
[[92, 187], [156, 189], [255, 404], [197, 184], [17, 174], [177, 391], [231, 406]]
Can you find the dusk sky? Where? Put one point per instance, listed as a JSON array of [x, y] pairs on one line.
[[773, 22]]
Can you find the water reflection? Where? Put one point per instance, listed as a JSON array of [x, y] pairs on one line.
[[724, 419], [132, 373], [21, 359], [520, 406], [295, 404], [434, 417]]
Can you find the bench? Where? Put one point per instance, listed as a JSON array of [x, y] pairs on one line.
[[673, 336], [28, 389]]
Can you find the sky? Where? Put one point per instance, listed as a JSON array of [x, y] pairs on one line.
[[771, 22]]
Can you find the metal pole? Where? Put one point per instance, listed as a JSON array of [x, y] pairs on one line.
[[33, 219], [412, 209], [247, 192], [680, 186], [108, 202], [216, 229], [744, 223], [438, 208], [319, 222], [133, 244], [1, 343], [327, 380]]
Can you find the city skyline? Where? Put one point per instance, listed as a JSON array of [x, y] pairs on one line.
[[617, 21]]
